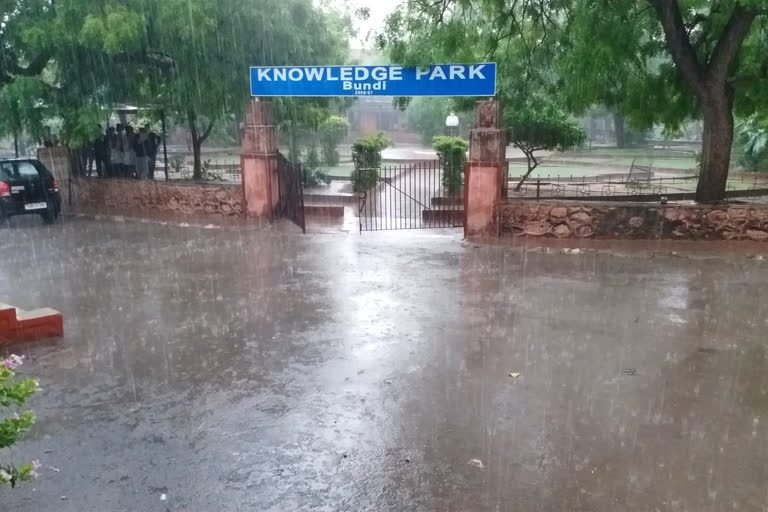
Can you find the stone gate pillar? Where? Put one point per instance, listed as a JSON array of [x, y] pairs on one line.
[[258, 160], [486, 171]]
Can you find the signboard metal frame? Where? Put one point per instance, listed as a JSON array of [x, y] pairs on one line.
[[412, 77]]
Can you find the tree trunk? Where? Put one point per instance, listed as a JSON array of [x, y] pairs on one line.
[[532, 164], [197, 166], [715, 147], [618, 128], [708, 80], [294, 153], [197, 143]]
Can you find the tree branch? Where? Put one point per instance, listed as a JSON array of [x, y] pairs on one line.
[[34, 68], [192, 120], [730, 41], [532, 163], [679, 44], [697, 18], [207, 131]]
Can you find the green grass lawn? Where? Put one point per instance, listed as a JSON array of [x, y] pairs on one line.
[[344, 169], [630, 153], [682, 162], [221, 160], [551, 170], [690, 186]]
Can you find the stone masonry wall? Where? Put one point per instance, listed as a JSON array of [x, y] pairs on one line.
[[154, 197], [635, 221]]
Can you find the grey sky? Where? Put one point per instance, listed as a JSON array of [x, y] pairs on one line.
[[379, 10]]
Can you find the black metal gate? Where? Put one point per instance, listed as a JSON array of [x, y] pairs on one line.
[[420, 195], [290, 199]]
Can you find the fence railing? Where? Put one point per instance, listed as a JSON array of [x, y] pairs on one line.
[[624, 188], [213, 169]]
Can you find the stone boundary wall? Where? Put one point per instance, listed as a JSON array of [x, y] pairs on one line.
[[566, 219], [156, 198]]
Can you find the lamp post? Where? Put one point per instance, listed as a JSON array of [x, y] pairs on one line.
[[452, 124]]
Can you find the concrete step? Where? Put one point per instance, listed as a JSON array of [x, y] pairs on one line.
[[18, 325]]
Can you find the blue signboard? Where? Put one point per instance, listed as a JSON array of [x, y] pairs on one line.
[[437, 80]]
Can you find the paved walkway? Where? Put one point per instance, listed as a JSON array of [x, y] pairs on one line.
[[239, 370]]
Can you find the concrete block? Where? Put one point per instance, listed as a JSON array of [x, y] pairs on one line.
[[17, 325]]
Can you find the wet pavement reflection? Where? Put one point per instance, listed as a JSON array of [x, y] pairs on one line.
[[239, 369]]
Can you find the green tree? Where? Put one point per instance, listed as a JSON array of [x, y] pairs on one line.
[[75, 58], [190, 58], [540, 128], [715, 69], [298, 121], [209, 78], [452, 153], [753, 138], [426, 116], [23, 108], [515, 34], [332, 132], [594, 64], [679, 60], [366, 156], [25, 50], [661, 61]]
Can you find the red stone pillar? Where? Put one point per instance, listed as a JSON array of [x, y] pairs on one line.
[[258, 160], [486, 171]]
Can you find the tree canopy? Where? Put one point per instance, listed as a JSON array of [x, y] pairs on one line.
[[426, 116], [672, 61], [188, 58], [540, 128], [653, 61]]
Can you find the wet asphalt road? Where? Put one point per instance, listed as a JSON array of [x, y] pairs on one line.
[[240, 370]]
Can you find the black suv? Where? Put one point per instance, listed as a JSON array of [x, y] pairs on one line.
[[26, 186]]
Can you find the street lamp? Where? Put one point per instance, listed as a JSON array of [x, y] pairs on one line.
[[452, 123]]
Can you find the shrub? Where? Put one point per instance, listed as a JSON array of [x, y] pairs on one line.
[[332, 131], [752, 135], [452, 152], [366, 156], [364, 178], [13, 393], [311, 176], [177, 164], [312, 160], [314, 177]]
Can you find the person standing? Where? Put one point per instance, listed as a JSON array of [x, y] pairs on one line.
[[100, 151], [153, 143], [89, 154], [111, 152], [118, 155], [129, 153], [141, 148]]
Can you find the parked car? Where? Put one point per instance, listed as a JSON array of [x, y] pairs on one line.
[[27, 187]]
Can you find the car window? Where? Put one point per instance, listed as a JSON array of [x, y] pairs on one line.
[[27, 170], [6, 170]]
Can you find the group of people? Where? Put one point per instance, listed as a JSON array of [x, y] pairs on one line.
[[123, 153]]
